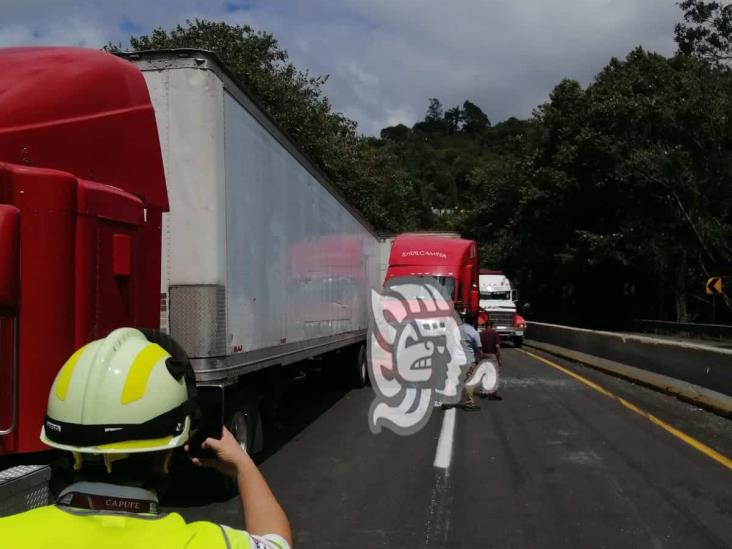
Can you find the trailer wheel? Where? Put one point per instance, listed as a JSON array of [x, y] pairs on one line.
[[361, 373], [238, 424], [245, 423]]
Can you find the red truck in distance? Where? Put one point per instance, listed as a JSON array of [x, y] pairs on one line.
[[449, 262]]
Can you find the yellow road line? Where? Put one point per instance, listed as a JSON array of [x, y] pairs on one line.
[[691, 441]]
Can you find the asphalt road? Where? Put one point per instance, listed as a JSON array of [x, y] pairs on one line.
[[554, 464]]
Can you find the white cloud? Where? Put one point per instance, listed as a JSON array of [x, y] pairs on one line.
[[386, 57]]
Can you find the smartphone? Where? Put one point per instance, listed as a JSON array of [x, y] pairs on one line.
[[211, 402]]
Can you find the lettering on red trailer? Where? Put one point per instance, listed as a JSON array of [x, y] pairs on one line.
[[424, 253]]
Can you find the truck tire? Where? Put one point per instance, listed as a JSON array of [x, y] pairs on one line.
[[360, 368], [238, 424], [518, 342], [242, 422]]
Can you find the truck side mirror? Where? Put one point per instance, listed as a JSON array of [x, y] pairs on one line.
[[9, 257]]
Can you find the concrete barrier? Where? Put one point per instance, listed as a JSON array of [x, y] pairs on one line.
[[685, 329], [701, 373]]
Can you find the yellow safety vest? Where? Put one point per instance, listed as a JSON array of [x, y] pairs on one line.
[[59, 527], [107, 516]]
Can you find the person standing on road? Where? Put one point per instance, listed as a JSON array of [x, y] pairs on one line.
[[122, 405], [470, 341], [491, 345]]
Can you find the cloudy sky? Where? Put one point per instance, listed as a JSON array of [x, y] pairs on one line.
[[385, 58]]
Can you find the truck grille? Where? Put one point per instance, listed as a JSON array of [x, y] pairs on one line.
[[501, 318]]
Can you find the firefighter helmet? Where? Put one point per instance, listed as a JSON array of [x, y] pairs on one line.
[[120, 395]]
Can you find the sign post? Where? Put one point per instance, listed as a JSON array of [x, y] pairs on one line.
[[714, 287]]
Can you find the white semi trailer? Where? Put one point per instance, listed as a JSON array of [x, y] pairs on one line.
[[264, 263]]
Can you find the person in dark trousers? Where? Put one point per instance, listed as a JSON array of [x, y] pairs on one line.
[[491, 344]]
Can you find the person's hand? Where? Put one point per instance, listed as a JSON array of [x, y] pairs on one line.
[[230, 457]]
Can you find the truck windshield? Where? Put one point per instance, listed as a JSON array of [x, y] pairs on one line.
[[496, 295], [446, 284]]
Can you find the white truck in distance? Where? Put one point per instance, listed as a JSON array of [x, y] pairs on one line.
[[498, 300]]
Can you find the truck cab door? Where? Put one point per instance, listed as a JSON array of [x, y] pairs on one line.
[[108, 238], [9, 301], [35, 337], [74, 244]]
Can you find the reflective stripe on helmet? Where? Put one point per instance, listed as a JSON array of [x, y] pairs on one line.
[[64, 376], [140, 371]]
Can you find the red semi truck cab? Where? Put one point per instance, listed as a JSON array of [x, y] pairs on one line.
[[449, 262], [82, 191]]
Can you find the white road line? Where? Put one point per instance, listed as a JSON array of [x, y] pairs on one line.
[[443, 456]]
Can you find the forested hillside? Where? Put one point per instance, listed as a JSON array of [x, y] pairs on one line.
[[613, 200], [441, 153]]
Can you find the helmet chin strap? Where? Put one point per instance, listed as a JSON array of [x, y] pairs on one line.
[[108, 460], [166, 462], [111, 458]]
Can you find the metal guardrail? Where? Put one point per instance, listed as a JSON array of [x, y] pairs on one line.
[[685, 329]]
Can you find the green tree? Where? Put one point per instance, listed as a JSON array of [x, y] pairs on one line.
[[434, 110], [384, 191], [476, 120], [631, 172], [706, 30], [434, 119], [453, 119], [397, 133], [625, 177]]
